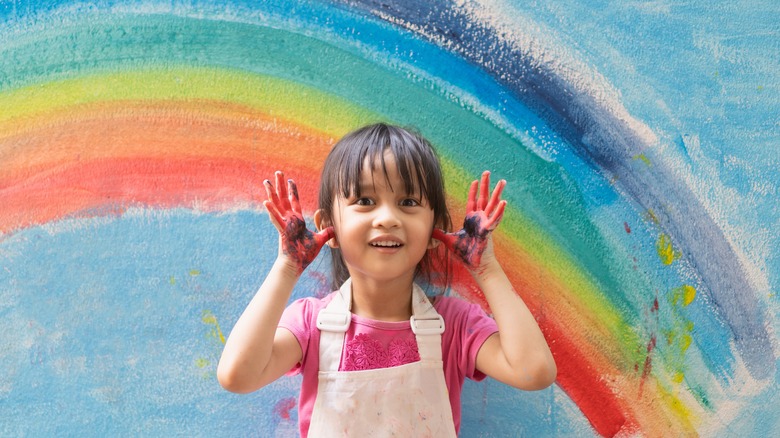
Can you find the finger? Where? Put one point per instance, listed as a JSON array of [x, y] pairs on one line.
[[273, 214], [321, 237], [294, 200], [442, 236], [484, 190], [281, 191], [495, 198], [439, 234], [270, 192], [495, 219], [471, 204]]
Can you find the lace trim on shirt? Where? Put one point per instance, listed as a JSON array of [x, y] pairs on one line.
[[366, 353]]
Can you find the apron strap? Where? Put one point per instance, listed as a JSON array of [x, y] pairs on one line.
[[427, 325], [333, 321]]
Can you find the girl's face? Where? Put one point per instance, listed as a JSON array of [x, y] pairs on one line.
[[384, 233]]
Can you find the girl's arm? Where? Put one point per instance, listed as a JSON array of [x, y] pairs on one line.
[[518, 354], [257, 352]]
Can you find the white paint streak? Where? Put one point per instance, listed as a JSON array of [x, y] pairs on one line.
[[542, 47]]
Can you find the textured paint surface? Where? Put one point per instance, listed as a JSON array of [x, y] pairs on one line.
[[639, 142]]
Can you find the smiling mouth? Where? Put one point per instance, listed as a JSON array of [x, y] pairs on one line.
[[386, 244]]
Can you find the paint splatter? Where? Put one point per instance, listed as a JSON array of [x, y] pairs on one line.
[[284, 407], [648, 365], [643, 158], [666, 251], [650, 216], [683, 295], [679, 336], [215, 332]]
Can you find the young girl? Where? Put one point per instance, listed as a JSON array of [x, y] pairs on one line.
[[377, 357]]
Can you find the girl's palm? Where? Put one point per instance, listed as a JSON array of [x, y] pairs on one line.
[[483, 214], [299, 244]]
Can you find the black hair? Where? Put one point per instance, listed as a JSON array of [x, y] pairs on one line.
[[417, 163]]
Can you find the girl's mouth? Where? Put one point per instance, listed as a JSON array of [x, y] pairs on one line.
[[386, 244]]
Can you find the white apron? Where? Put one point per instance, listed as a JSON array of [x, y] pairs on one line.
[[405, 401]]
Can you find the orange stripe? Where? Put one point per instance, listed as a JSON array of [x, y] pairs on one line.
[[160, 130]]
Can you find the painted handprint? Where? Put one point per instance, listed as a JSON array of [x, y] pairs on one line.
[[482, 216], [297, 242]]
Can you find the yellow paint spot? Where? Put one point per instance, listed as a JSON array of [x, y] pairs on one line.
[[194, 272], [760, 88], [680, 333], [172, 280], [210, 319], [685, 342], [677, 407], [644, 159], [649, 215], [690, 294], [684, 295], [202, 362], [666, 252]]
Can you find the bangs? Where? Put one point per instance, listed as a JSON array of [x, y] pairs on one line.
[[408, 157]]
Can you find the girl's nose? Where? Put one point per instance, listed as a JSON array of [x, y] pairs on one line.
[[386, 217]]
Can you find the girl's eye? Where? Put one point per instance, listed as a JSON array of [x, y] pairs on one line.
[[364, 201], [409, 202]]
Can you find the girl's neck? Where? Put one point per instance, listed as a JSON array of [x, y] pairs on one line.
[[382, 301]]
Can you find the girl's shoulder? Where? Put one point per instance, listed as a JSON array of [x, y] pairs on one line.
[[466, 327], [308, 307], [315, 300], [449, 306]]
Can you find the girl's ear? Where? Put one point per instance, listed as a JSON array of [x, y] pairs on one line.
[[321, 224]]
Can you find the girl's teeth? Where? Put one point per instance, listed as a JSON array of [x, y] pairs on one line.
[[386, 244]]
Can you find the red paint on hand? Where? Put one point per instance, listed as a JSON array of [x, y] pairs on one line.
[[483, 214], [298, 243]]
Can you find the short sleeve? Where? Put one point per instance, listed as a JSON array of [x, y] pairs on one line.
[[297, 319], [467, 327]]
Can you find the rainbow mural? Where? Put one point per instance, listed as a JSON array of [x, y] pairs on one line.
[[639, 143]]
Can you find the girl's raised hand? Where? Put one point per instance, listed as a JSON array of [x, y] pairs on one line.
[[482, 216], [297, 243]]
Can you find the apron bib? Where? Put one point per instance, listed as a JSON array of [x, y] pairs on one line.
[[410, 400]]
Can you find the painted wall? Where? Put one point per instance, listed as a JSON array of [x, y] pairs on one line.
[[640, 141]]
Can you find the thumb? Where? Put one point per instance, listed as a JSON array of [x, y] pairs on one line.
[[323, 236], [439, 234], [444, 237]]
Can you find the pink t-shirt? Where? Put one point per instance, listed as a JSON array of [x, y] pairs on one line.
[[370, 344]]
